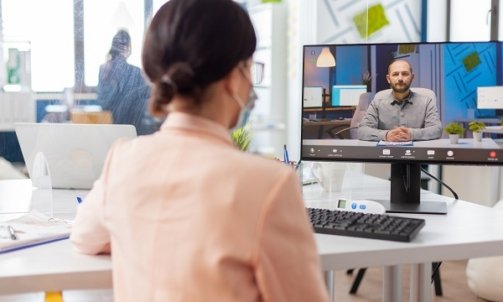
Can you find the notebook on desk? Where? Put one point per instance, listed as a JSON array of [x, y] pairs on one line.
[[30, 230], [71, 155]]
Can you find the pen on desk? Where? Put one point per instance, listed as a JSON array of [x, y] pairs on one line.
[[285, 155], [12, 233], [79, 200]]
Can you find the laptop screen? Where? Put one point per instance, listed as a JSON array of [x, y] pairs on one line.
[[73, 154]]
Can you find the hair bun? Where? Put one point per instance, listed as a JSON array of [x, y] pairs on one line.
[[180, 76]]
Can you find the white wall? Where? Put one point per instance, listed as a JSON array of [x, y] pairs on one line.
[[309, 23], [269, 116], [479, 184], [301, 31]]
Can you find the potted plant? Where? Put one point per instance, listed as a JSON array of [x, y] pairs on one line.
[[476, 128], [455, 131], [241, 138]]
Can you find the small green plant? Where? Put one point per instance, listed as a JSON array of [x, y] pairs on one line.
[[454, 128], [241, 138], [476, 126]]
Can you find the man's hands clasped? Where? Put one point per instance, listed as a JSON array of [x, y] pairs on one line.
[[399, 134]]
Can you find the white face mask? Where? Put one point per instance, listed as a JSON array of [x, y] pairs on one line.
[[245, 112]]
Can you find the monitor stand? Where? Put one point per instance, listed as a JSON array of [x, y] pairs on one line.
[[405, 192]]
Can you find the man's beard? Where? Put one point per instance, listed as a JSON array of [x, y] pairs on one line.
[[403, 87]]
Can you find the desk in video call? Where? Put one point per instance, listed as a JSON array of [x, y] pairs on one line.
[[329, 127]]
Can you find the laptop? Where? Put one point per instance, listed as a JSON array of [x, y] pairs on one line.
[[67, 156]]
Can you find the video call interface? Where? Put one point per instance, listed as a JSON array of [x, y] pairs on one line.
[[466, 78]]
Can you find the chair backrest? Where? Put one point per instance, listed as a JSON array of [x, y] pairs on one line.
[[421, 90], [360, 111], [430, 93], [427, 92]]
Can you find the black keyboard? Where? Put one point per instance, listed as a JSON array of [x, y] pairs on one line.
[[366, 225]]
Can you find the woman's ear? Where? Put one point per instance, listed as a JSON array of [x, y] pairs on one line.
[[232, 81]]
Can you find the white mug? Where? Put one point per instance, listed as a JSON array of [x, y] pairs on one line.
[[330, 175]]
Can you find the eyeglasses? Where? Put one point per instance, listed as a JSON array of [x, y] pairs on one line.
[[257, 73]]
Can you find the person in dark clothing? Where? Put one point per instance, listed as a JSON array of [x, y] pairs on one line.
[[122, 89]]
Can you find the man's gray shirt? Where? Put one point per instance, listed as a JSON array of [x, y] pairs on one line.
[[418, 112]]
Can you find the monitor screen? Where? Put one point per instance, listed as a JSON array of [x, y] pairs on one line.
[[347, 95], [490, 97], [453, 82]]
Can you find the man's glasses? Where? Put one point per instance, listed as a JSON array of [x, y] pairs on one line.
[[257, 73]]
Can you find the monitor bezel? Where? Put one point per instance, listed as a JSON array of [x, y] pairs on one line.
[[454, 161]]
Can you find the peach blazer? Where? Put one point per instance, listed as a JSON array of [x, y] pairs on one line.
[[188, 217]]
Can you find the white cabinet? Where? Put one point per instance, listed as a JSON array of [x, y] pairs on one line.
[[16, 107]]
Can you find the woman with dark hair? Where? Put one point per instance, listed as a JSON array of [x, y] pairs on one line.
[[122, 89], [185, 214]]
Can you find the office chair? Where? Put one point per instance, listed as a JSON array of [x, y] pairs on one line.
[[360, 111], [420, 90], [364, 102]]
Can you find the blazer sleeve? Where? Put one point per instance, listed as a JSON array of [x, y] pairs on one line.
[[287, 261], [89, 234]]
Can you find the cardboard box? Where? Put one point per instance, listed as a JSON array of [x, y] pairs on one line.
[[97, 117]]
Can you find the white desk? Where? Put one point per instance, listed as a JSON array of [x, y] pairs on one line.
[[467, 231], [53, 267], [56, 266], [49, 267]]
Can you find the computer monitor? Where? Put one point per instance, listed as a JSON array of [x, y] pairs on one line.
[[347, 95], [490, 97], [454, 71]]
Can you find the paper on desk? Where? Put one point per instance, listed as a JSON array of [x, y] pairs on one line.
[[33, 229], [386, 143]]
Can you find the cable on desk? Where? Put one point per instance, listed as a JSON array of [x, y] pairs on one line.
[[441, 182]]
